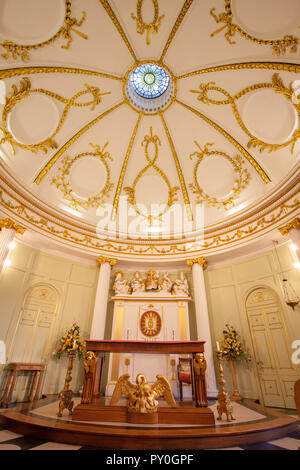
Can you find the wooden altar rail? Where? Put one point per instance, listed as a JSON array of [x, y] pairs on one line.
[[93, 377]]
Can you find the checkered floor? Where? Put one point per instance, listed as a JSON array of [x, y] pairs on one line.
[[12, 441]]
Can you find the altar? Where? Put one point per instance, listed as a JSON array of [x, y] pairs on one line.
[[152, 309]]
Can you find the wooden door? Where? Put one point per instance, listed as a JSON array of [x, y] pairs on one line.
[[272, 348]]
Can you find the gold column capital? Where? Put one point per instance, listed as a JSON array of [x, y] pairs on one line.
[[10, 224], [103, 259], [295, 223], [199, 260]]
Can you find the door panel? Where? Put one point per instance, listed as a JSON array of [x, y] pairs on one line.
[[271, 345]]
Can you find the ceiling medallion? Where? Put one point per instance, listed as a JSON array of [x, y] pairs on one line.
[[149, 88]]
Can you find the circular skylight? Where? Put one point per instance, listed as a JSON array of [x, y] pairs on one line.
[[149, 80], [149, 88]]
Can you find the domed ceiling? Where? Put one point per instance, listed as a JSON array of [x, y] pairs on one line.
[[150, 128]]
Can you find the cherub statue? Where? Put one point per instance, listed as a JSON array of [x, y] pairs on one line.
[[142, 397], [224, 406], [151, 281], [166, 284], [120, 286], [137, 284], [180, 286]]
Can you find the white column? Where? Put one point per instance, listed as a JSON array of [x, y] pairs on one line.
[[202, 320], [293, 230], [99, 317], [7, 234]]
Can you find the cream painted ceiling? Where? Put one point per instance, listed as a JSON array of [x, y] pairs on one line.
[[229, 139]]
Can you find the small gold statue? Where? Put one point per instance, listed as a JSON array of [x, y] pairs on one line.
[[89, 363], [142, 398], [225, 406]]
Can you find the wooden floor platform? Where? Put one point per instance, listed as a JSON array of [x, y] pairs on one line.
[[254, 424]]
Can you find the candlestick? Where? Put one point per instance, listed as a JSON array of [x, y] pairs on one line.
[[224, 405]]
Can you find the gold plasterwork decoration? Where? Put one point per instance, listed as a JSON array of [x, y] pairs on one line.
[[104, 259], [227, 99], [21, 50], [179, 170], [130, 191], [62, 180], [293, 224], [23, 92], [124, 167], [10, 224], [288, 43], [241, 180], [141, 26], [178, 22], [232, 140], [118, 26], [71, 141], [281, 66], [142, 397], [202, 261]]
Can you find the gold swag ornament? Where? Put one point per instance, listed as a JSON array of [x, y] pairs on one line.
[[142, 397]]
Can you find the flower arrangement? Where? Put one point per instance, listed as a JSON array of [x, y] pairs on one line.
[[71, 341], [232, 346]]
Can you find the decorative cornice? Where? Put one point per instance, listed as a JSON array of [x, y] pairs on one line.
[[295, 223], [103, 259], [199, 260], [10, 224]]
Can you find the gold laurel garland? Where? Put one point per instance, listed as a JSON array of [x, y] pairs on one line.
[[276, 85], [21, 50], [240, 182], [263, 223], [62, 182], [25, 91], [279, 46], [130, 191], [141, 26]]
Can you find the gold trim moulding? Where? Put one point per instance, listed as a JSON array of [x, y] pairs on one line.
[[103, 259], [11, 225], [293, 224], [202, 261]]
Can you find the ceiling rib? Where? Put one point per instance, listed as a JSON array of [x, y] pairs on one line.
[[124, 166], [71, 141], [231, 139]]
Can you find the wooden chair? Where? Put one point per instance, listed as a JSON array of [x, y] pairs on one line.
[[184, 374]]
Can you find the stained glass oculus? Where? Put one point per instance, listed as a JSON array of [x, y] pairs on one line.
[[149, 80]]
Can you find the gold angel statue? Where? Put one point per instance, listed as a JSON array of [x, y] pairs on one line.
[[142, 397]]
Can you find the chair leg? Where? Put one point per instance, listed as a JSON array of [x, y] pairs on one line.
[[180, 390]]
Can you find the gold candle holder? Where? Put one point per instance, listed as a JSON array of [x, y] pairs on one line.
[[224, 404], [66, 394], [172, 363]]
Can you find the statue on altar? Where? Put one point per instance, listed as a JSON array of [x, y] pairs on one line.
[[200, 366], [151, 281], [120, 286], [166, 284], [142, 397], [137, 284], [180, 286]]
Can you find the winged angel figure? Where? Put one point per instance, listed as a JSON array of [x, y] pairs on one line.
[[142, 397]]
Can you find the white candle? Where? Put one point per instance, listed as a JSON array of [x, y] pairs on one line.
[[218, 346], [74, 343]]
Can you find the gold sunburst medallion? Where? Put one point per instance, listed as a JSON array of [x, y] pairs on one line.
[[150, 323]]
